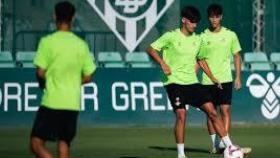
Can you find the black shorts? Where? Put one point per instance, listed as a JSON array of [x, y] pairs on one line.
[[53, 125], [182, 95], [220, 96]]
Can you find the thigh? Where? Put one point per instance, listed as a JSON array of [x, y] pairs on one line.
[[45, 124], [176, 96], [67, 125], [223, 96], [196, 95]]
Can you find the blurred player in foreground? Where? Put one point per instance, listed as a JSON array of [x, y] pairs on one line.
[[63, 64]]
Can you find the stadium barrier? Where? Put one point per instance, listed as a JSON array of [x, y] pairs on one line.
[[124, 96]]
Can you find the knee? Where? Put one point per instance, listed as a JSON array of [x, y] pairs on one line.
[[213, 115], [34, 144], [225, 111]]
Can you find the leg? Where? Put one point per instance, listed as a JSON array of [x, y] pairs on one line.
[[214, 138], [226, 116], [38, 148], [214, 118], [211, 129], [179, 129], [63, 149], [178, 96], [217, 122], [66, 132]]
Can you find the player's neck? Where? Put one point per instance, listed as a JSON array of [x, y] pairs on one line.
[[215, 29], [63, 27], [185, 31]]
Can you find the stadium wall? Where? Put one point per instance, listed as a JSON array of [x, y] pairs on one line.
[[35, 15], [124, 97]]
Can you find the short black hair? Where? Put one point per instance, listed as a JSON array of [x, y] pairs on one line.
[[214, 9], [191, 13], [64, 12]]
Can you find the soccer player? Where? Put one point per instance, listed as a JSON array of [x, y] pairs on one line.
[[219, 44], [180, 49], [63, 64]]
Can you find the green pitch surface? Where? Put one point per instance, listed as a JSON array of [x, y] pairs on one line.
[[145, 142]]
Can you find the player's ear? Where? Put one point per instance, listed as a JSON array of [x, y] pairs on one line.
[[183, 20], [221, 17]]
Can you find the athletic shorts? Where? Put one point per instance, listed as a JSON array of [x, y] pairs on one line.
[[182, 95], [53, 125], [220, 96]]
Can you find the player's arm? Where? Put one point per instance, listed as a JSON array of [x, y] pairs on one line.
[[204, 66], [86, 78], [40, 75], [153, 53], [237, 65], [196, 67], [41, 61], [235, 49], [88, 67]]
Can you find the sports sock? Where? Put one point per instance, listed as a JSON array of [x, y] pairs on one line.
[[213, 139], [227, 140], [221, 144], [181, 149]]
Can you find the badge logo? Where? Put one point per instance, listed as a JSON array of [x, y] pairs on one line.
[[269, 89], [130, 20], [177, 103]]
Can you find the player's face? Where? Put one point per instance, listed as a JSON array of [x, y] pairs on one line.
[[215, 20], [190, 26]]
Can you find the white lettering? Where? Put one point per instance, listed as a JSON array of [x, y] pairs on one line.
[[124, 97], [154, 96], [135, 96], [90, 96], [28, 96], [15, 96]]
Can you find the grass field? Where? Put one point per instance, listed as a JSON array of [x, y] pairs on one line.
[[145, 142]]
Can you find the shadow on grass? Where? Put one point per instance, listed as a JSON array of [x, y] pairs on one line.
[[194, 150]]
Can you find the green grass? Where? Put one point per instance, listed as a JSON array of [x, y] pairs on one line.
[[145, 142]]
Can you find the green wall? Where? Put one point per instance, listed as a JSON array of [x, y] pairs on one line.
[[123, 97]]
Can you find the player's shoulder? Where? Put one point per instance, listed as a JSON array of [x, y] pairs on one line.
[[46, 38], [228, 31], [204, 34], [171, 33], [197, 36], [79, 40]]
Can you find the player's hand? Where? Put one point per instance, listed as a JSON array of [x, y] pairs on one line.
[[237, 84], [217, 83], [165, 68]]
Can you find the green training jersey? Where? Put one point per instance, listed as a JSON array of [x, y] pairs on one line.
[[217, 49], [66, 58], [180, 54]]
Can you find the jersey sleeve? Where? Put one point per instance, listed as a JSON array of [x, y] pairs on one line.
[[162, 42], [41, 58], [235, 45], [88, 65], [202, 50]]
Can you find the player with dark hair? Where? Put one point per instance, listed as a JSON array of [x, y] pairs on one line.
[[63, 64], [180, 49], [219, 44]]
